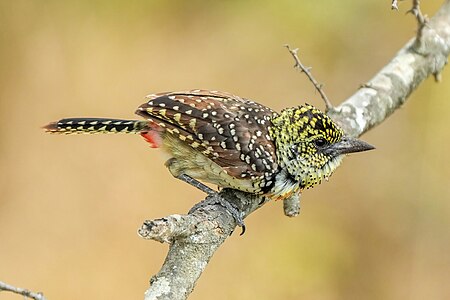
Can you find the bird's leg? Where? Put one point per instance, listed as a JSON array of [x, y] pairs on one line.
[[195, 183], [212, 198], [177, 171]]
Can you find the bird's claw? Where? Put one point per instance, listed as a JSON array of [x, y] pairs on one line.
[[215, 198]]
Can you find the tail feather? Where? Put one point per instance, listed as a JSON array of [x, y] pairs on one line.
[[96, 125]]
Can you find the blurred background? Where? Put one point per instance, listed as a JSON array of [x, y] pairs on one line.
[[70, 205]]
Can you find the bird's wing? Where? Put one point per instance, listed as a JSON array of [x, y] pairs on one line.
[[231, 131]]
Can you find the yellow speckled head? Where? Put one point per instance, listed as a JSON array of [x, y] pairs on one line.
[[309, 145]]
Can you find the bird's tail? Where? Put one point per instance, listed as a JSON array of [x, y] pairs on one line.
[[96, 125]]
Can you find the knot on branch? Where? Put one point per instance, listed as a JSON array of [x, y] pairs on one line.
[[165, 230], [213, 218], [190, 228]]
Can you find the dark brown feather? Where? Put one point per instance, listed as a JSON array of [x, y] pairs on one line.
[[231, 131]]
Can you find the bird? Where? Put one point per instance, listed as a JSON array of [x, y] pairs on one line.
[[233, 142]]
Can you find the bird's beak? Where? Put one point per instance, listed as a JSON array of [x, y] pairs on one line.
[[350, 145]]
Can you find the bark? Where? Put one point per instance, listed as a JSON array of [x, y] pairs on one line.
[[20, 291]]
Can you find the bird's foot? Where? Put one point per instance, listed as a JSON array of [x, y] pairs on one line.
[[214, 199]]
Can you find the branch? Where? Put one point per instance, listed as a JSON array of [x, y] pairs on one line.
[[422, 22], [195, 237], [20, 291], [193, 240], [391, 87], [307, 70]]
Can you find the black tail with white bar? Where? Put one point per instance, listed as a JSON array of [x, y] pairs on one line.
[[96, 125]]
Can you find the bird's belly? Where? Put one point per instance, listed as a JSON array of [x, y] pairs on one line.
[[196, 165]]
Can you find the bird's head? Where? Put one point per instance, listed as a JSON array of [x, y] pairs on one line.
[[309, 145]]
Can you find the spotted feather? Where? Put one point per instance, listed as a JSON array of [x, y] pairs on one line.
[[233, 142], [231, 131]]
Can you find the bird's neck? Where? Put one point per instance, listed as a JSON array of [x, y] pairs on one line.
[[284, 186]]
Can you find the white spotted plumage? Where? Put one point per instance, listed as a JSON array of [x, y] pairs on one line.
[[227, 140], [224, 127]]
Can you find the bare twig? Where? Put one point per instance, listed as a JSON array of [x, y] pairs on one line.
[[422, 21], [415, 10], [422, 24], [20, 291], [195, 237], [307, 70]]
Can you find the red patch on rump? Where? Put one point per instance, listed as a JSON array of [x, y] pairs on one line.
[[153, 136]]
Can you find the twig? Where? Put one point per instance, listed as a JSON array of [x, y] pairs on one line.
[[390, 88], [20, 291], [415, 10], [422, 22], [307, 70]]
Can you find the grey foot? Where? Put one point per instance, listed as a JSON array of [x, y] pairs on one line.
[[195, 183], [215, 198]]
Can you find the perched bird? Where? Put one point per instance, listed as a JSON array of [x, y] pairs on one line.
[[233, 142]]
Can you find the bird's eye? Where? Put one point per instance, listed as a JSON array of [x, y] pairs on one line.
[[320, 142]]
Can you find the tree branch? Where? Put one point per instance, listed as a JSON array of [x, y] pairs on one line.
[[193, 240], [195, 237], [390, 88], [20, 291], [307, 70]]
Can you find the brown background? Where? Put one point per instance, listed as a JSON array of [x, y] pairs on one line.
[[70, 206]]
